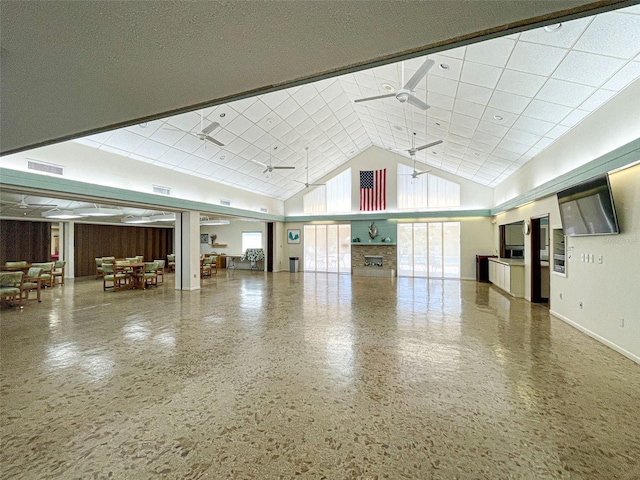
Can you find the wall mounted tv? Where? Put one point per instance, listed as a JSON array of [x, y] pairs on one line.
[[588, 209]]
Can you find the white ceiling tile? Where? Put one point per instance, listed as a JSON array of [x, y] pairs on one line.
[[513, 147], [534, 58], [184, 121], [100, 137], [236, 146], [550, 112], [474, 93], [455, 52], [544, 143], [499, 117], [173, 157], [444, 86], [464, 121], [557, 131], [453, 72], [140, 158], [188, 143], [522, 138], [314, 105], [482, 75], [597, 99], [338, 103], [440, 101], [629, 73], [491, 52], [239, 125], [564, 93], [532, 125], [287, 107], [166, 136], [241, 105], [253, 134], [482, 147], [506, 154], [257, 111], [86, 141], [574, 118], [206, 151], [192, 163], [223, 114], [145, 129], [587, 68], [224, 136], [274, 99], [564, 37], [123, 139], [117, 151], [460, 130], [463, 107], [520, 83], [614, 34], [492, 128], [439, 114], [304, 94], [509, 102]]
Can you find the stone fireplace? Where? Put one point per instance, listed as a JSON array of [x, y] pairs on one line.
[[373, 259]]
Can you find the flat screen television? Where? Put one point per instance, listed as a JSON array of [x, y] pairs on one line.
[[588, 209]]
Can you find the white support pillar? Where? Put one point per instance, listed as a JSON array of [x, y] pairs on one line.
[[67, 234], [187, 248]]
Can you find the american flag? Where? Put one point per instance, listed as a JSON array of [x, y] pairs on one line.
[[373, 190]]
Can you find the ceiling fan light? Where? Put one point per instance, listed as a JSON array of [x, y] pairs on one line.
[[136, 219], [218, 221], [97, 212], [60, 214], [163, 217]]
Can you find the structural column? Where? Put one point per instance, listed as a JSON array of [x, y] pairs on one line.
[[67, 234], [187, 248]]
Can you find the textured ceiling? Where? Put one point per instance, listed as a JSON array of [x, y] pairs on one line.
[[495, 104], [74, 67]]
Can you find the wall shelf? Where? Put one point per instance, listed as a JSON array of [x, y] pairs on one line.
[[218, 244], [559, 258]]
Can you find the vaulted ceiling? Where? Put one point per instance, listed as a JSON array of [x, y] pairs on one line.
[[494, 104]]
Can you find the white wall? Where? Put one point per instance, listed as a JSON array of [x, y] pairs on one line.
[[472, 195], [615, 125], [90, 165], [232, 235], [608, 291]]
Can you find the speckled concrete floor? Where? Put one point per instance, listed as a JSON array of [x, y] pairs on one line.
[[304, 376]]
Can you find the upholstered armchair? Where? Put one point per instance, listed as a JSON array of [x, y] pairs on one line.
[[16, 265], [58, 272], [150, 275], [171, 262], [160, 271], [32, 281], [11, 287], [47, 273], [115, 276]]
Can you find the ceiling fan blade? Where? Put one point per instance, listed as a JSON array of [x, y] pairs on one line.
[[419, 75], [210, 128], [283, 168], [173, 129], [429, 145], [377, 97], [415, 174], [214, 141], [267, 170], [416, 102]]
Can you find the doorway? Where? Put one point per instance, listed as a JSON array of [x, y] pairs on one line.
[[540, 276]]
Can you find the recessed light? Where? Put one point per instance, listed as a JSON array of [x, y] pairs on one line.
[[143, 125], [222, 157], [476, 154], [443, 66], [553, 28], [397, 127], [222, 115], [387, 87], [498, 117]]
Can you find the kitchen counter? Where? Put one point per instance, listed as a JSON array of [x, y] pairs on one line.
[[513, 262]]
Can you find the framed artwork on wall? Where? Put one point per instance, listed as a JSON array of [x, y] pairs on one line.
[[293, 236], [204, 238]]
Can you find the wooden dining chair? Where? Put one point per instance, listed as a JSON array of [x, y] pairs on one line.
[[11, 287], [58, 272], [32, 281]]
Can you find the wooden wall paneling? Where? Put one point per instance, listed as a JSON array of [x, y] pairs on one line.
[[119, 241], [24, 240]]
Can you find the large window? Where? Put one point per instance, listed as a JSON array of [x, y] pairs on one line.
[[327, 248], [425, 191], [429, 249], [334, 197], [251, 240]]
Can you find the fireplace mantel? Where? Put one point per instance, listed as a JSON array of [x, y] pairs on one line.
[[388, 252]]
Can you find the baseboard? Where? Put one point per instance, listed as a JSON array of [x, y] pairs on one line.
[[597, 337]]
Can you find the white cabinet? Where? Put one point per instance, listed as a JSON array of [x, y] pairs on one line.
[[507, 275], [559, 252]]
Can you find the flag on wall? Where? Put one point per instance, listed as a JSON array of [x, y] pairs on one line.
[[373, 190]]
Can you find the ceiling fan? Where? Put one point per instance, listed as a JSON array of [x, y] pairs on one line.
[[406, 93], [307, 184], [268, 167], [204, 132], [412, 153], [23, 205]]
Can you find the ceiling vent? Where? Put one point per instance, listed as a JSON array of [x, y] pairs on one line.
[[226, 203], [45, 167], [161, 190]]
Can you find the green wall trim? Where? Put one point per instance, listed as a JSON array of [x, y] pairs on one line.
[[56, 185], [618, 158], [390, 216]]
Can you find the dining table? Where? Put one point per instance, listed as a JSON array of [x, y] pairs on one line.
[[136, 270]]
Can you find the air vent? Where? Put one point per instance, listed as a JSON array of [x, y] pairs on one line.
[[161, 190], [46, 167], [226, 203], [263, 210]]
